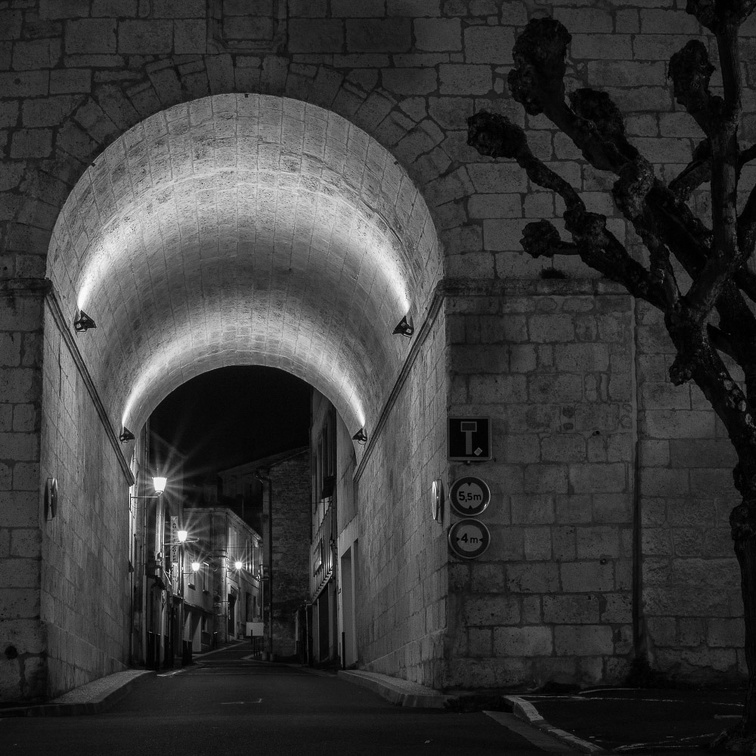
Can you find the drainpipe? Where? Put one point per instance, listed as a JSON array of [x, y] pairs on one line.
[[640, 648], [265, 479]]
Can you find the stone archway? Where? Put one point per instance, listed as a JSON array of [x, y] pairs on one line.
[[231, 230], [244, 229]]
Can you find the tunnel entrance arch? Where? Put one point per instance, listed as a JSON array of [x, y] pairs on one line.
[[231, 230], [244, 229]]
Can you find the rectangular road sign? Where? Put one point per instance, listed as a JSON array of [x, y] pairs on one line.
[[469, 438]]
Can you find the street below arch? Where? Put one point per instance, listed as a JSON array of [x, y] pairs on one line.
[[228, 703]]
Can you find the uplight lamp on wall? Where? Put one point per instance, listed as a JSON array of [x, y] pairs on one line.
[[82, 322], [238, 564], [360, 437], [405, 327], [182, 536], [196, 566]]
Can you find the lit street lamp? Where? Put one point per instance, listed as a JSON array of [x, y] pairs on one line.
[[159, 484]]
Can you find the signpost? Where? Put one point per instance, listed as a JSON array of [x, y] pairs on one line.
[[469, 496], [469, 438], [468, 539]]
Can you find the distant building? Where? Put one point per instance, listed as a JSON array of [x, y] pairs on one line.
[[284, 480], [323, 611], [178, 609], [228, 553]]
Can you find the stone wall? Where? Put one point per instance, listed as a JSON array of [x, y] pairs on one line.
[[401, 591], [551, 599], [22, 634], [291, 546], [75, 76], [611, 493], [85, 582], [692, 608]]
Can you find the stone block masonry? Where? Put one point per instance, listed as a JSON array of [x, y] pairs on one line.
[[402, 611], [85, 578], [611, 486], [561, 518], [611, 493], [23, 640], [291, 530], [691, 582]]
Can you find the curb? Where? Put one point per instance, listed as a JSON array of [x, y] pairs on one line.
[[96, 697], [395, 690], [525, 710]]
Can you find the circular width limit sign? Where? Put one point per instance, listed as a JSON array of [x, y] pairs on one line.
[[469, 496], [468, 539]]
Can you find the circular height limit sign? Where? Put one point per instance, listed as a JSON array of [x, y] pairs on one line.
[[469, 496], [468, 539]]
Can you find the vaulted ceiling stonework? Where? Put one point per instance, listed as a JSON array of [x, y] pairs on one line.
[[244, 229]]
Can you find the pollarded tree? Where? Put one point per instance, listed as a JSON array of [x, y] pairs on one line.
[[699, 272]]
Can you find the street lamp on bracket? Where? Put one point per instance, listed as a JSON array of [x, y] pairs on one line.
[[158, 484]]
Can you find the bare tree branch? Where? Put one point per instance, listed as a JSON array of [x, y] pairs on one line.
[[713, 318], [719, 118], [690, 70], [714, 14], [494, 135]]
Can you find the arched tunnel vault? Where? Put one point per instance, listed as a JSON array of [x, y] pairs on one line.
[[244, 229]]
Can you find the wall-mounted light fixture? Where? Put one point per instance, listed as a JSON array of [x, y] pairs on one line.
[[126, 435], [183, 537], [83, 322], [360, 437], [158, 484], [238, 564], [405, 327], [51, 498]]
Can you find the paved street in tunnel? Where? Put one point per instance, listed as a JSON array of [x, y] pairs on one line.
[[225, 704]]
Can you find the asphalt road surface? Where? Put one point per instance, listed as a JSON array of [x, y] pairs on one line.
[[226, 705]]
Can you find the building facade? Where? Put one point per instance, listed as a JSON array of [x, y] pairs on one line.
[[212, 187], [229, 554], [274, 492], [195, 566], [325, 631]]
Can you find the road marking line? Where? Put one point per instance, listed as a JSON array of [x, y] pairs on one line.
[[537, 737], [171, 674], [526, 711]]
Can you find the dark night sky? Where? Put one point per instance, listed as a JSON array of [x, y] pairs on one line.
[[233, 415]]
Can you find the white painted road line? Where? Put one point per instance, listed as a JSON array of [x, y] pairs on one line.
[[537, 737], [526, 711]]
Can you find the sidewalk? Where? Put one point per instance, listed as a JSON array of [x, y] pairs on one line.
[[92, 698]]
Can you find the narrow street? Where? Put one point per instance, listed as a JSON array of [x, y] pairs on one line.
[[225, 704]]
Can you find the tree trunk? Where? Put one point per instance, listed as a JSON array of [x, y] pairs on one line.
[[742, 737], [743, 521]]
